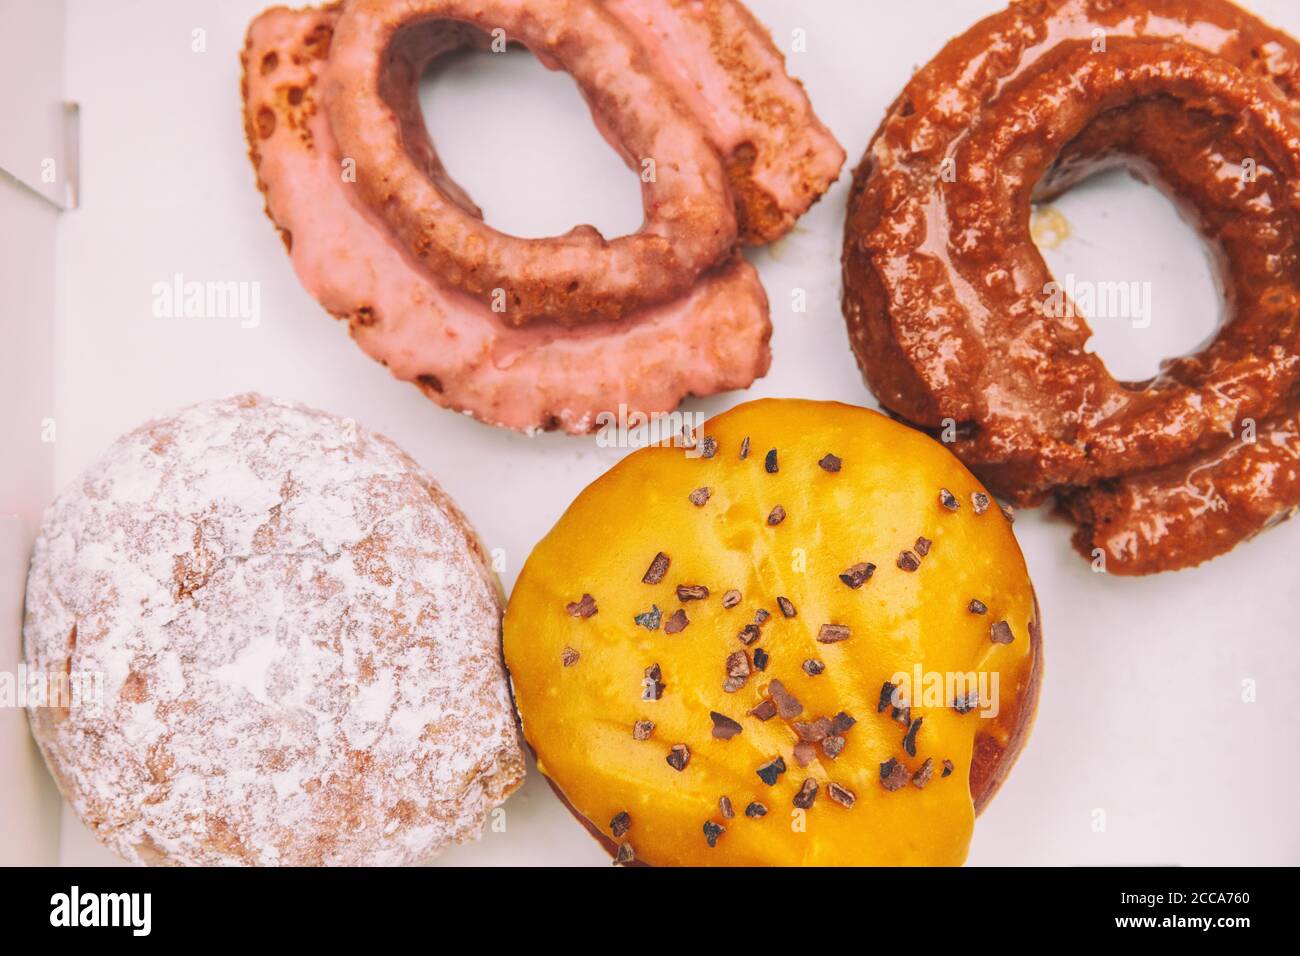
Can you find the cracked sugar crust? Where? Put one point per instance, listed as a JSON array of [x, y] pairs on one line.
[[299, 643]]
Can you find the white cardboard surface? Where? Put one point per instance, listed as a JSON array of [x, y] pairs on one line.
[[31, 80], [1142, 718], [35, 150]]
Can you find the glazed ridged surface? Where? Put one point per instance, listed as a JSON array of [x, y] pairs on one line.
[[542, 354], [945, 290]]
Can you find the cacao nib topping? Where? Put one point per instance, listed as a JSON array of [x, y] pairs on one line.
[[642, 729], [700, 497], [769, 772], [902, 715], [650, 619], [813, 667], [724, 728], [947, 768], [813, 730], [761, 616], [678, 757], [708, 447], [804, 753], [830, 463], [787, 609], [738, 671], [979, 501], [807, 794], [770, 464], [755, 810], [965, 704], [764, 710], [712, 831], [658, 568], [886, 696], [725, 808], [652, 688], [749, 634], [833, 633], [948, 499], [922, 546], [908, 561], [1000, 633], [776, 516], [620, 824], [841, 723], [744, 448], [676, 622], [841, 795], [731, 599], [833, 745], [787, 705], [569, 657], [625, 855], [584, 608], [922, 776], [691, 592], [858, 575], [977, 607], [738, 664], [909, 740], [893, 775], [760, 659]]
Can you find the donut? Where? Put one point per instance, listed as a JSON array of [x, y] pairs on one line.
[[1177, 517], [537, 334], [376, 60], [296, 641], [768, 650], [945, 291]]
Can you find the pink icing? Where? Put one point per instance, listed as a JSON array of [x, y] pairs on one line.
[[545, 375], [724, 66]]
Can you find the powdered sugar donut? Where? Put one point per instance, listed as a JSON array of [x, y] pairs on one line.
[[297, 637]]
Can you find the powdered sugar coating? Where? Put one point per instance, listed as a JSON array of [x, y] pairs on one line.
[[299, 639]]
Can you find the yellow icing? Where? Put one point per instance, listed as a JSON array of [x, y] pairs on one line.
[[579, 718]]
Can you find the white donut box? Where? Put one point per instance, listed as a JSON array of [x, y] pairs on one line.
[[1168, 727]]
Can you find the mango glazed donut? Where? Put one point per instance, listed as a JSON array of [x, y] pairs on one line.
[[811, 640], [946, 296]]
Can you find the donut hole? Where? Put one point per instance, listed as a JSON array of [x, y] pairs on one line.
[[523, 145], [1137, 273]]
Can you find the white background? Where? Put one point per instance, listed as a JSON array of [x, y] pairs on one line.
[[1142, 717]]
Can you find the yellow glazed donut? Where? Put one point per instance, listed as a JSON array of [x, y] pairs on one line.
[[809, 640]]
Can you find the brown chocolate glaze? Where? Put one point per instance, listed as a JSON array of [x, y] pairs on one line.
[[1182, 514], [945, 289]]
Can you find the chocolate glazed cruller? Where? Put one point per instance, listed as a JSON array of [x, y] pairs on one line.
[[944, 287], [537, 333]]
